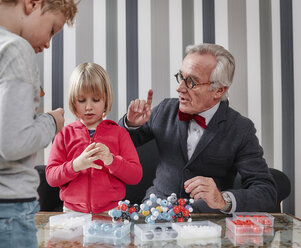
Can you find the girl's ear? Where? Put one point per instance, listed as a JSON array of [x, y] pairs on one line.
[[31, 5]]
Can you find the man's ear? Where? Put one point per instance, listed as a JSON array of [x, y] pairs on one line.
[[31, 5], [220, 92]]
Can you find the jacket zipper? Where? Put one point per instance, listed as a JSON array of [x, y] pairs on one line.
[[90, 178]]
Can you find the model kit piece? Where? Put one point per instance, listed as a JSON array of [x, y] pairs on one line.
[[170, 209], [125, 212]]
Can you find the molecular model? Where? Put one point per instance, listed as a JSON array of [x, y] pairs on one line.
[[170, 209], [125, 212]]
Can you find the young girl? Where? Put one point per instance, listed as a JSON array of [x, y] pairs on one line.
[[92, 159]]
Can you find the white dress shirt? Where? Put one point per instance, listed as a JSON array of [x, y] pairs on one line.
[[195, 131]]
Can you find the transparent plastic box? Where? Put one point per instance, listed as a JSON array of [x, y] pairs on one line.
[[197, 230], [262, 217], [68, 226], [155, 243], [204, 242], [155, 232], [101, 231], [244, 240], [244, 227]]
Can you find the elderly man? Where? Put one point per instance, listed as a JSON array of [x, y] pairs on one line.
[[203, 142]]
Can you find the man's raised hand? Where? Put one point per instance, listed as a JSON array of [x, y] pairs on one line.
[[139, 111]]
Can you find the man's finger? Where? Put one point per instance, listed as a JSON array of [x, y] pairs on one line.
[[131, 106], [191, 180], [150, 97]]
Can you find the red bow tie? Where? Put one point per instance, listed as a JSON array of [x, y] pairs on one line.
[[188, 117]]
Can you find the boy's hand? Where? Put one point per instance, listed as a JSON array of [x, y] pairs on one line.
[[86, 159], [139, 111], [58, 115], [105, 154]]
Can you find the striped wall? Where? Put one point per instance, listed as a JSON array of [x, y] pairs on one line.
[[141, 44]]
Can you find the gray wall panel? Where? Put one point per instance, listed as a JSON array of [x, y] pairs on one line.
[[238, 48], [266, 81], [132, 50], [187, 24], [58, 71], [112, 54], [84, 33], [288, 126], [160, 49], [208, 21]]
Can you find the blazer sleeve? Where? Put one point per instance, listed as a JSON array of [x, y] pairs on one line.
[[258, 191], [59, 171], [126, 165]]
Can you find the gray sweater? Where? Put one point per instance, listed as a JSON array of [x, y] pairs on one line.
[[23, 132]]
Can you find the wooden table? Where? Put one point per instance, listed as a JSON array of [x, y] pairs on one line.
[[286, 233]]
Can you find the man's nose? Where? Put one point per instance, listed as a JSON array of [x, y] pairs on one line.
[[181, 86]]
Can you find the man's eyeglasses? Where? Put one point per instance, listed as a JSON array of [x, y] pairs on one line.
[[188, 81]]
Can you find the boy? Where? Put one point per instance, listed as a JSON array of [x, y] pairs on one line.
[[26, 28]]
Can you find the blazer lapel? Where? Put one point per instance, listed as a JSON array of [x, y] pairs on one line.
[[183, 130], [211, 130]]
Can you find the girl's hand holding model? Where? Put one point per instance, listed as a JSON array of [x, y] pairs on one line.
[[93, 152]]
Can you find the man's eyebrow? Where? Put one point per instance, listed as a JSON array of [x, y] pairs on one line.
[[193, 76]]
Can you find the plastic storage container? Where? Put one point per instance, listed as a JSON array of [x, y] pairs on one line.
[[198, 233], [101, 231], [262, 217], [197, 230], [244, 240], [246, 226], [68, 226], [155, 232]]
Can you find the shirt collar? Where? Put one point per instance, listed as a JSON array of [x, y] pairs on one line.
[[208, 114]]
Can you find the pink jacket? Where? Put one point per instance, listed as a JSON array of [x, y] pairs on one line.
[[93, 190]]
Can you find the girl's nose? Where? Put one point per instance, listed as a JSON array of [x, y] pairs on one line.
[[88, 105]]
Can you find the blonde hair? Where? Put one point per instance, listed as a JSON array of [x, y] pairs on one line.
[[67, 7], [90, 78]]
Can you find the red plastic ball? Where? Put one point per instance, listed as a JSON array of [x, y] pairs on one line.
[[181, 201], [176, 209], [124, 207], [132, 210], [180, 219], [186, 212], [256, 229]]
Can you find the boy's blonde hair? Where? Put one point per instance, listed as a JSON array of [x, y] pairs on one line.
[[67, 7], [90, 78]]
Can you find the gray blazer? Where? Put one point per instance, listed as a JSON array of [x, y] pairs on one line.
[[228, 145]]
